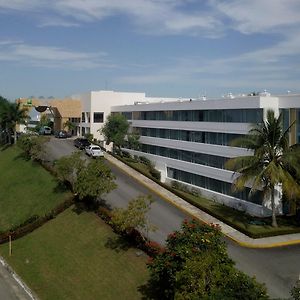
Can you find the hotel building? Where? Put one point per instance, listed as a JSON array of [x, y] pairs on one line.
[[189, 141]]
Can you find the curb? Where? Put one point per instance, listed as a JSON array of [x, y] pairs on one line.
[[24, 287], [253, 242]]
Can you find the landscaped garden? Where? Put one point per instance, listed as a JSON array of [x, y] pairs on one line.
[[252, 226], [26, 189], [77, 256]]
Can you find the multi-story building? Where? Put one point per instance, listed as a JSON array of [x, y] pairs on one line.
[[189, 140], [96, 106]]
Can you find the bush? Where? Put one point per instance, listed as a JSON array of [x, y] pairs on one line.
[[34, 222], [155, 173], [125, 154], [144, 160], [89, 136], [195, 265], [295, 292]]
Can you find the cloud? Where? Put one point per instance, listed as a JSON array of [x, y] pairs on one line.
[[259, 16], [57, 22], [148, 16], [51, 57]]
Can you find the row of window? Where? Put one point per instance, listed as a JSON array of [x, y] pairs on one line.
[[216, 115], [193, 157], [216, 138], [74, 120], [98, 117], [214, 185]]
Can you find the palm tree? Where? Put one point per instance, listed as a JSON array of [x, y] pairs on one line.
[[10, 114], [273, 163]]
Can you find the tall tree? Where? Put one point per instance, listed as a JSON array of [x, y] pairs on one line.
[[94, 180], [10, 114], [88, 179], [272, 164], [115, 129]]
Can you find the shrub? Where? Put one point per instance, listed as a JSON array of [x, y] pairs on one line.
[[195, 265], [144, 160], [155, 173], [295, 292]]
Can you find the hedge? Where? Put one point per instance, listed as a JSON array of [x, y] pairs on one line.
[[35, 222]]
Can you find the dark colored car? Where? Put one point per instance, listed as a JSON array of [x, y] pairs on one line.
[[62, 134], [81, 143]]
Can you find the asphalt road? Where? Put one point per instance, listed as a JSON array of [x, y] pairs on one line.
[[278, 268], [9, 288]]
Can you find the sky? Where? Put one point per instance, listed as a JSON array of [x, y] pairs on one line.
[[165, 48]]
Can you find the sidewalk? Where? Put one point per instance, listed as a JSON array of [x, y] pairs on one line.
[[231, 233]]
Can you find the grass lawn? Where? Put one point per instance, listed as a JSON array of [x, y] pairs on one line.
[[72, 257], [26, 189], [242, 221]]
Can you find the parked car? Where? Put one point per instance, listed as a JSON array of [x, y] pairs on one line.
[[81, 143], [62, 134], [94, 151], [45, 130]]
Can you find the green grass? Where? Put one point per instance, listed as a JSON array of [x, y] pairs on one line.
[[72, 257], [242, 221], [26, 189]]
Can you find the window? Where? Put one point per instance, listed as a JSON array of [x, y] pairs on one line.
[[83, 117], [98, 117]]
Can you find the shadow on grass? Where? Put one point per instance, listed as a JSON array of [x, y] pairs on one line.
[[22, 156], [4, 147], [118, 243], [147, 292], [86, 205], [60, 187]]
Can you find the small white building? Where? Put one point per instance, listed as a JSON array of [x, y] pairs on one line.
[[96, 106]]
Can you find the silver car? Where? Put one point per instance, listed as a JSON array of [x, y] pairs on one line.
[[94, 151]]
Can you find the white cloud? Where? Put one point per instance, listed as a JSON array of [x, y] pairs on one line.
[[260, 15], [53, 57]]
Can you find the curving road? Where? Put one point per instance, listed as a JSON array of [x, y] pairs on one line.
[[278, 268]]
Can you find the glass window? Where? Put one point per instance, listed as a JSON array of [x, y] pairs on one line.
[[83, 117], [98, 117]]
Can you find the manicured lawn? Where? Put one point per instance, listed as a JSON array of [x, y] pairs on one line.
[[71, 257], [242, 221], [26, 189]]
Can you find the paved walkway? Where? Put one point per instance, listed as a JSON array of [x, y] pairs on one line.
[[11, 286], [233, 234]]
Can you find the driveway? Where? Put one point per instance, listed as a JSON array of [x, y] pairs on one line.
[[278, 268]]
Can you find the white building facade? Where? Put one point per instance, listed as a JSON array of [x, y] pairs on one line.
[[189, 141], [96, 107]]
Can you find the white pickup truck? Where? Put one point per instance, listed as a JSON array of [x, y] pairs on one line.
[[94, 151]]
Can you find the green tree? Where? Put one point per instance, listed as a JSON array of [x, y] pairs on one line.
[[12, 113], [87, 179], [133, 141], [44, 121], [68, 167], [33, 146], [195, 265], [94, 180], [134, 216], [272, 164], [68, 125], [115, 129]]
